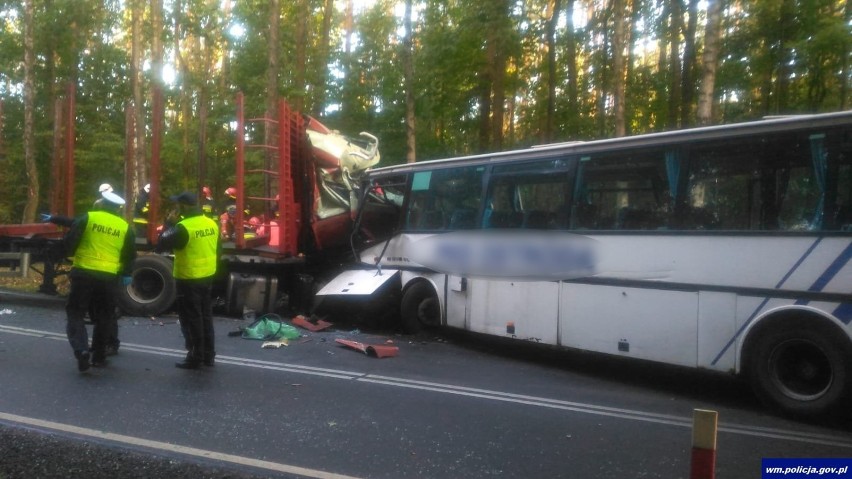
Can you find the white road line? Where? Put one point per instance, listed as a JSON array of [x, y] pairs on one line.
[[584, 408], [172, 448]]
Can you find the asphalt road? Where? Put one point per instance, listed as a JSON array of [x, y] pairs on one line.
[[446, 406]]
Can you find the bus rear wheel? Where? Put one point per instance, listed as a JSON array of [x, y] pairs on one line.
[[801, 371], [420, 308], [152, 290]]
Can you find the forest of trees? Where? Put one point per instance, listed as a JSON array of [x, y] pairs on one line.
[[429, 78]]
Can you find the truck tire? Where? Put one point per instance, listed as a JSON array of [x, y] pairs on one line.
[[152, 291], [420, 308], [801, 371]]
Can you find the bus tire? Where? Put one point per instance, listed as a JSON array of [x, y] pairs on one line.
[[153, 289], [420, 308], [801, 371]]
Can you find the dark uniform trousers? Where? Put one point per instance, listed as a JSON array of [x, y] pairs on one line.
[[195, 309], [96, 296]]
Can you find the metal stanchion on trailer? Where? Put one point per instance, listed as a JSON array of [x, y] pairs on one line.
[[703, 461]]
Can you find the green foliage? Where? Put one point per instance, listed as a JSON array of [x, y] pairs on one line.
[[778, 56]]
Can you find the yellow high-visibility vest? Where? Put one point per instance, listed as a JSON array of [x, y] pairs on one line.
[[101, 243], [198, 258]]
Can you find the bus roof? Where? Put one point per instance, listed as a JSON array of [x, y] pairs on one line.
[[767, 125]]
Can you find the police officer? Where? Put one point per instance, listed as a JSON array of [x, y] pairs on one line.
[[103, 246], [111, 328], [195, 242]]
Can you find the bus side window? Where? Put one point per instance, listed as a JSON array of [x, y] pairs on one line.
[[776, 182], [539, 219], [431, 220], [500, 209], [625, 191], [584, 216], [462, 218], [840, 182], [505, 219]]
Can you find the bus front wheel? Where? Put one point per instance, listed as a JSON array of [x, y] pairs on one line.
[[801, 371], [420, 308]]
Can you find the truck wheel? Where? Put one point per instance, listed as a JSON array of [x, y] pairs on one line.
[[153, 288], [802, 371], [420, 308]]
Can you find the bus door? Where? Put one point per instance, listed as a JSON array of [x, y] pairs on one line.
[[526, 310], [526, 200]]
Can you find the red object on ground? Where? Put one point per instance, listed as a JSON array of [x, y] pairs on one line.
[[301, 322], [375, 350]]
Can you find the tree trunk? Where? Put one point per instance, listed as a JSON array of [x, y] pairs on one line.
[[844, 76], [322, 62], [408, 58], [709, 62], [225, 75], [54, 112], [157, 42], [31, 206], [57, 174], [272, 42], [786, 31], [603, 86], [619, 45], [485, 103], [2, 139], [139, 166], [688, 79], [203, 101], [129, 155], [185, 93], [347, 105], [301, 32], [501, 33], [553, 7], [675, 62], [156, 103], [571, 61]]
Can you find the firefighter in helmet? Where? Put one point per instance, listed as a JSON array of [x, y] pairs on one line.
[[208, 205]]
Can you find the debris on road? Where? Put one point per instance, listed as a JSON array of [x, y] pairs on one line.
[[268, 328], [275, 344], [318, 325], [374, 350]]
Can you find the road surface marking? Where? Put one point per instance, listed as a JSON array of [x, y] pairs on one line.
[[584, 408]]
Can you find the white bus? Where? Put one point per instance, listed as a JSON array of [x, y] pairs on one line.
[[724, 248]]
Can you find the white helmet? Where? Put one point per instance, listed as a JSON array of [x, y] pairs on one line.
[[147, 188], [104, 188], [113, 198]]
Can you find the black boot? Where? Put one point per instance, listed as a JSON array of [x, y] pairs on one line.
[[82, 360], [190, 362], [99, 359]]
